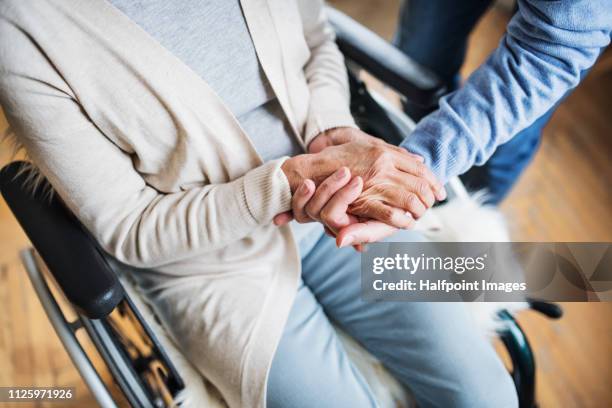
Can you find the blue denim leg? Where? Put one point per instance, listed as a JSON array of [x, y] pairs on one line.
[[435, 33], [311, 367], [432, 348]]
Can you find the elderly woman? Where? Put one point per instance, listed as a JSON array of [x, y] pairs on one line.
[[176, 132]]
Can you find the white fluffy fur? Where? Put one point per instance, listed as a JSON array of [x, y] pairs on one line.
[[459, 220], [466, 220], [34, 179]]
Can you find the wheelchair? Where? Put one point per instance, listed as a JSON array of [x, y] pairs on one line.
[[64, 256]]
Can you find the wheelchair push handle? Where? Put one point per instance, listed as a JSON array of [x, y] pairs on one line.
[[419, 85]]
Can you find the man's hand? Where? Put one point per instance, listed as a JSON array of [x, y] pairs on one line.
[[397, 187]]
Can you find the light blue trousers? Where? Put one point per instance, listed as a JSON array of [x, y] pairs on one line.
[[431, 348]]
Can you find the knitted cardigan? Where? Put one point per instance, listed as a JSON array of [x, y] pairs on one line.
[[149, 159]]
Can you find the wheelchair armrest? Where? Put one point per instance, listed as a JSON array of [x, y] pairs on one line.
[[385, 62], [70, 253]]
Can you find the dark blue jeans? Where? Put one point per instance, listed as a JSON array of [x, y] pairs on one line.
[[435, 34]]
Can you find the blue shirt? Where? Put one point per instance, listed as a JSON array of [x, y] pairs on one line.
[[547, 47]]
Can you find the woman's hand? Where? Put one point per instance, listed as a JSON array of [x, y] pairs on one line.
[[328, 204], [397, 187]]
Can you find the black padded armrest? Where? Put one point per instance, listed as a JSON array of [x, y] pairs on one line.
[[385, 62], [68, 250]]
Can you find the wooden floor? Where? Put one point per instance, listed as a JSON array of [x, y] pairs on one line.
[[566, 195]]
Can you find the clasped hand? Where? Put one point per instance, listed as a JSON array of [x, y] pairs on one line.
[[359, 187]]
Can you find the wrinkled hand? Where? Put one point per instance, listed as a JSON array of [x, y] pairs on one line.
[[398, 187]]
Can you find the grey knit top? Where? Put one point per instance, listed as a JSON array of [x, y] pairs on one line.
[[212, 38]]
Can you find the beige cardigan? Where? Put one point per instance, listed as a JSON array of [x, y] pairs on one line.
[[150, 160]]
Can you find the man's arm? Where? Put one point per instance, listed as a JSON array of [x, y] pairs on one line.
[[547, 48]]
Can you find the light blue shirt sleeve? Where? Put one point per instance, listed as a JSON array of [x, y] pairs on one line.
[[546, 48]]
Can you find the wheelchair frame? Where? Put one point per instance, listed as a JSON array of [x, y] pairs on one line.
[[146, 377], [137, 362]]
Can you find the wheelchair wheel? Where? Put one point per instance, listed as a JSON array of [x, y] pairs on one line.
[[128, 348]]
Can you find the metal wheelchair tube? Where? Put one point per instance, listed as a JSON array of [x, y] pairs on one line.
[[65, 332], [122, 371]]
